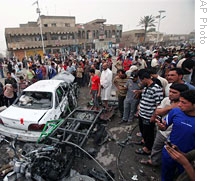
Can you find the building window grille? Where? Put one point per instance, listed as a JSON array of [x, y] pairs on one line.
[[63, 37], [67, 24], [54, 37]]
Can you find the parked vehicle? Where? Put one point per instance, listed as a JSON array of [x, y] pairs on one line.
[[42, 101]]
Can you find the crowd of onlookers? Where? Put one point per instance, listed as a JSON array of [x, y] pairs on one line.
[[156, 85], [20, 74]]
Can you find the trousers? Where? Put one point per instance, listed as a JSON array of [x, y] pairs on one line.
[[130, 107]]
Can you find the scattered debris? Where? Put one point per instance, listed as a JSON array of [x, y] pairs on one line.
[[135, 177], [141, 172]]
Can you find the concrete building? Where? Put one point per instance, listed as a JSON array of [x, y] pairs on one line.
[[132, 38], [60, 34], [175, 39], [136, 37]]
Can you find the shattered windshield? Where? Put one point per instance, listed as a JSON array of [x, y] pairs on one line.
[[35, 100]]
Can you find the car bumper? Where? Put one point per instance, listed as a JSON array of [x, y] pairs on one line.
[[21, 135]]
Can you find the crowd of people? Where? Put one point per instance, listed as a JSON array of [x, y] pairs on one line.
[[20, 74], [158, 87], [154, 85]]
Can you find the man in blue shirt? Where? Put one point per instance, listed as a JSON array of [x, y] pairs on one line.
[[52, 71], [39, 73], [182, 134]]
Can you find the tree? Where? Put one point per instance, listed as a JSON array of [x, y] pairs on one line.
[[146, 22]]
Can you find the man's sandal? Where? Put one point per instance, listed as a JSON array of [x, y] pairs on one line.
[[146, 162], [142, 152]]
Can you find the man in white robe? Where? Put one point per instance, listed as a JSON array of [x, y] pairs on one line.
[[106, 84]]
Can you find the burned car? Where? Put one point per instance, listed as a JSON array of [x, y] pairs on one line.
[[40, 102]]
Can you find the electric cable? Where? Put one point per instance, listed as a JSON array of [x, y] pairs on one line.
[[122, 146], [75, 145]]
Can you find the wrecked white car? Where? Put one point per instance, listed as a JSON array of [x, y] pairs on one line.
[[40, 102]]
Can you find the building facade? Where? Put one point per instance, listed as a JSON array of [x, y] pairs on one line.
[[60, 34], [132, 38], [135, 38]]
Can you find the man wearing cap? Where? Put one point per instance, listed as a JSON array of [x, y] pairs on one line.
[[131, 69], [155, 63], [174, 61], [132, 98]]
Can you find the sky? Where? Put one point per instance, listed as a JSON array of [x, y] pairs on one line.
[[179, 14]]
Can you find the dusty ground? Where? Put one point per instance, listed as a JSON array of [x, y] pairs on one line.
[[117, 154]]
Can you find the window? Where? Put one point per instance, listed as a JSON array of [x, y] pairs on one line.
[[17, 39], [63, 37], [44, 37], [45, 25], [54, 37], [53, 24], [38, 38], [71, 36], [59, 96], [67, 24], [56, 51], [35, 100]]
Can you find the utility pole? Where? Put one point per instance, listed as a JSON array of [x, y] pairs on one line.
[[161, 11], [39, 12]]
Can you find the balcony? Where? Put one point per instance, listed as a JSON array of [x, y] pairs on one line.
[[51, 43], [38, 44]]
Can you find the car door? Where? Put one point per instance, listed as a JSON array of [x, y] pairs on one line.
[[61, 102]]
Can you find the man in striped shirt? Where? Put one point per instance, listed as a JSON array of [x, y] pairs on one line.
[[151, 97]]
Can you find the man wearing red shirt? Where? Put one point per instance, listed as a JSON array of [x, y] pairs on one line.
[[95, 90], [127, 63], [44, 71]]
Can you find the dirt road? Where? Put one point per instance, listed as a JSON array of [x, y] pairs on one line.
[[118, 153]]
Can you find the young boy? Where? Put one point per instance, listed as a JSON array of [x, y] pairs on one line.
[[95, 90]]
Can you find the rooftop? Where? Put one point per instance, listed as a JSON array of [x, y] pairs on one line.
[[44, 85]]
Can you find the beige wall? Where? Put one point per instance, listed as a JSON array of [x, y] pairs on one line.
[[59, 22], [28, 38]]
